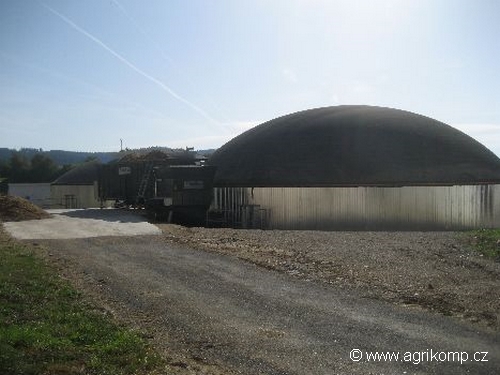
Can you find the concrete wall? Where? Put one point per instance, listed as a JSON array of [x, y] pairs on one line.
[[362, 208], [75, 196], [36, 193]]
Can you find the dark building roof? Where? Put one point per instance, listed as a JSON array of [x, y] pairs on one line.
[[353, 146], [84, 174]]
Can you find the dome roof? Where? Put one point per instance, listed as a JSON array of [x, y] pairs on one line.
[[353, 146], [83, 174]]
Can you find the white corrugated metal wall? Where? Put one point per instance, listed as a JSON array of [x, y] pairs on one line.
[[36, 193], [379, 208]]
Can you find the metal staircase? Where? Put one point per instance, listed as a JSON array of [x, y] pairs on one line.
[[143, 185]]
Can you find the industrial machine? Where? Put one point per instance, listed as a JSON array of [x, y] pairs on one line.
[[172, 188]]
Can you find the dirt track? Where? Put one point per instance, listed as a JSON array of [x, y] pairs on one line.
[[214, 314]]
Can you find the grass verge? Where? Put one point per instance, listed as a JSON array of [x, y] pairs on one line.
[[47, 328], [486, 242]]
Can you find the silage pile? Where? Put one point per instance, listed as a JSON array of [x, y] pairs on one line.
[[150, 156], [19, 209]]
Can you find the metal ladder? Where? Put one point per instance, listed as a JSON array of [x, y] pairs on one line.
[[144, 182]]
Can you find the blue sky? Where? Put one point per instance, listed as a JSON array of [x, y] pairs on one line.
[[81, 75]]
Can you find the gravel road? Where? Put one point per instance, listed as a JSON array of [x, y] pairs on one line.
[[211, 313]]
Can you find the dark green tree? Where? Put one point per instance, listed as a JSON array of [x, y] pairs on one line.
[[43, 169], [3, 177], [18, 168], [91, 158]]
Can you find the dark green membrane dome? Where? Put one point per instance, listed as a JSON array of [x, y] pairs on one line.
[[353, 146], [84, 174]]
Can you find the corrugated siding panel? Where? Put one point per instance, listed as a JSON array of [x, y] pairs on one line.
[[409, 207]]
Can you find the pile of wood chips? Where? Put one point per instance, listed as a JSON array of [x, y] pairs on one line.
[[19, 209]]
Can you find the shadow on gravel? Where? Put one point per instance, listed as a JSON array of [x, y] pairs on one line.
[[111, 215]]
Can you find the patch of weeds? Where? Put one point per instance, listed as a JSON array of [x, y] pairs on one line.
[[486, 242], [46, 328]]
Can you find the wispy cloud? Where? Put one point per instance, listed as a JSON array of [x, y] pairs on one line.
[[480, 129], [179, 71], [143, 32], [290, 75], [199, 143], [99, 95], [215, 141], [335, 99], [239, 127], [122, 59], [360, 87]]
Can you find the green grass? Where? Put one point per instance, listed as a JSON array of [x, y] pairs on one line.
[[46, 327], [486, 242]]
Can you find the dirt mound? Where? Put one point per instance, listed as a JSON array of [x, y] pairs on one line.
[[19, 209], [174, 156], [150, 156]]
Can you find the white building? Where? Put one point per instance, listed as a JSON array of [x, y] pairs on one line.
[[77, 188], [36, 193]]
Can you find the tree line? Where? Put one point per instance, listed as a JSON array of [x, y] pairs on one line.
[[31, 165], [20, 168], [60, 157]]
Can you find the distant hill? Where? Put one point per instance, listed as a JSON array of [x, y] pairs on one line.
[[207, 152], [61, 157]]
